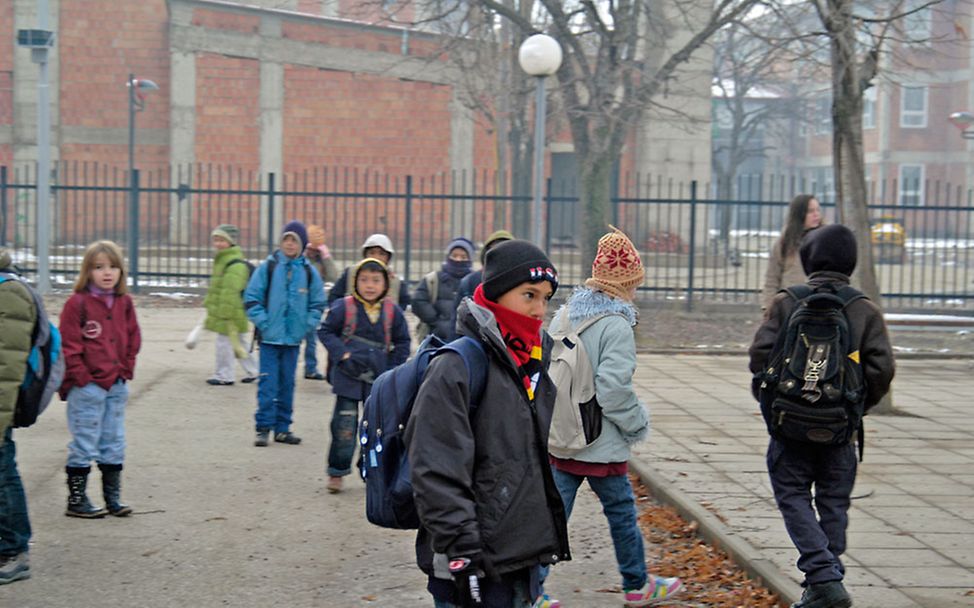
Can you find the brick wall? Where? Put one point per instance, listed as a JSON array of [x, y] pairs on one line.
[[227, 111], [99, 44]]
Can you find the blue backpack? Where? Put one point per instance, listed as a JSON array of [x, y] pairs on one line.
[[384, 464], [45, 365]]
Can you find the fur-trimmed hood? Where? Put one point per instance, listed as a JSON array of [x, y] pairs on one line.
[[585, 303]]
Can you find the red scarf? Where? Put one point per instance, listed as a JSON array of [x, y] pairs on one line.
[[522, 336]]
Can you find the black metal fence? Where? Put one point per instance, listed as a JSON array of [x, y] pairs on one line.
[[694, 248]]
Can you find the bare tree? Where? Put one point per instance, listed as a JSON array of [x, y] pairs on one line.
[[855, 42], [618, 62]]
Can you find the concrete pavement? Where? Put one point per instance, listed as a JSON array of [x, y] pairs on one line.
[[911, 532], [221, 523]]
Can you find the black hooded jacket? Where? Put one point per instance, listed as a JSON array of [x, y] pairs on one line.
[[483, 484]]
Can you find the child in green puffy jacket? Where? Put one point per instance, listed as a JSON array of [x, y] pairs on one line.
[[225, 313]]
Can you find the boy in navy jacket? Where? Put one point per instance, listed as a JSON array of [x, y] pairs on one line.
[[365, 334]]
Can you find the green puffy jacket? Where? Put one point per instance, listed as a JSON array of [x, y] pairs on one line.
[[17, 317], [224, 299]]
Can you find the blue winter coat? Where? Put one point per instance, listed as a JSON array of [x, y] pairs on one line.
[[611, 348], [368, 355], [287, 308]]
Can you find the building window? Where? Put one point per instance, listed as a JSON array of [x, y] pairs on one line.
[[823, 116], [869, 108], [913, 107], [918, 25], [911, 185], [823, 184]]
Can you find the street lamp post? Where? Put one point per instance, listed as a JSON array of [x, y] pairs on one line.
[[40, 41], [137, 87], [539, 56], [963, 121]]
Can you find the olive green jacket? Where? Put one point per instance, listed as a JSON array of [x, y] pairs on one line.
[[17, 317], [224, 299]]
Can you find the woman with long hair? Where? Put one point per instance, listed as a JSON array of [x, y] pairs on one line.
[[784, 266]]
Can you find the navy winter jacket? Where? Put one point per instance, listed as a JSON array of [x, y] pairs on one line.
[[353, 377]]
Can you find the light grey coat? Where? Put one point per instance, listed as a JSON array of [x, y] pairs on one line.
[[611, 347]]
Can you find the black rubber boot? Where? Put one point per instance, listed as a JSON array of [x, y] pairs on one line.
[[111, 486], [78, 504]]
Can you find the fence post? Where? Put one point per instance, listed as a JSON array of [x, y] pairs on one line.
[[693, 243], [409, 230], [133, 244], [3, 206], [547, 215], [271, 241]]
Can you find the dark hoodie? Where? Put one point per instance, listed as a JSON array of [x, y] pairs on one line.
[[829, 257]]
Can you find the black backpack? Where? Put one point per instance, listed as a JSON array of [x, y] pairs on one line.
[[811, 389]]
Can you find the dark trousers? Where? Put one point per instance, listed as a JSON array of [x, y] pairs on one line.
[[344, 423], [14, 523], [819, 532]]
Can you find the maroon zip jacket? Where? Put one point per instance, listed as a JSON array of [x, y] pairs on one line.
[[100, 343]]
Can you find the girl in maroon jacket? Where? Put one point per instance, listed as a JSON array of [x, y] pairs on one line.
[[100, 339]]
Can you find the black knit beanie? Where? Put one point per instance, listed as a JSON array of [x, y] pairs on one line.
[[513, 262], [831, 247]]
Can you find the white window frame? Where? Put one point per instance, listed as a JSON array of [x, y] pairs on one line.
[[917, 186], [823, 116], [869, 108], [914, 119], [918, 26]]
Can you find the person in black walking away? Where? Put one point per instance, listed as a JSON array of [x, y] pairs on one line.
[[828, 256], [490, 513]]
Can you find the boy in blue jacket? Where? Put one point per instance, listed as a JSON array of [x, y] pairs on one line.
[[284, 300], [365, 334]]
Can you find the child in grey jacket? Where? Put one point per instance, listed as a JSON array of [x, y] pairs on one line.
[[610, 344]]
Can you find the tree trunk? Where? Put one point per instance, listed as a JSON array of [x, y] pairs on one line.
[[595, 201], [847, 152]]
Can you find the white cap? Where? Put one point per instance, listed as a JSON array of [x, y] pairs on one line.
[[378, 240]]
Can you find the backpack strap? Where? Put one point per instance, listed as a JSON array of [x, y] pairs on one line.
[[798, 292], [849, 294], [388, 316], [474, 357], [271, 266], [351, 317]]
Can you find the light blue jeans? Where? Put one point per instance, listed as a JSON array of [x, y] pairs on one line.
[[96, 419], [619, 506]]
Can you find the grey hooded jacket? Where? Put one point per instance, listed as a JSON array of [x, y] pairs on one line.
[[611, 347]]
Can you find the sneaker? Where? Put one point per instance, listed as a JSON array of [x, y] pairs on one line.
[[334, 484], [656, 588], [314, 376], [262, 437], [249, 379], [14, 568], [546, 601], [288, 438], [824, 595], [216, 382]]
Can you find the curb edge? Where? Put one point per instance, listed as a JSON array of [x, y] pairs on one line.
[[714, 531]]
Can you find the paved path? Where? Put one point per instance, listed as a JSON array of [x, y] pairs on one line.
[[911, 540], [221, 523]]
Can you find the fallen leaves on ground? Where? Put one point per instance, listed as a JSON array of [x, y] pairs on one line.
[[711, 579]]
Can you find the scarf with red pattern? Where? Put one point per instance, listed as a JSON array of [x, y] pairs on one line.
[[522, 336]]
